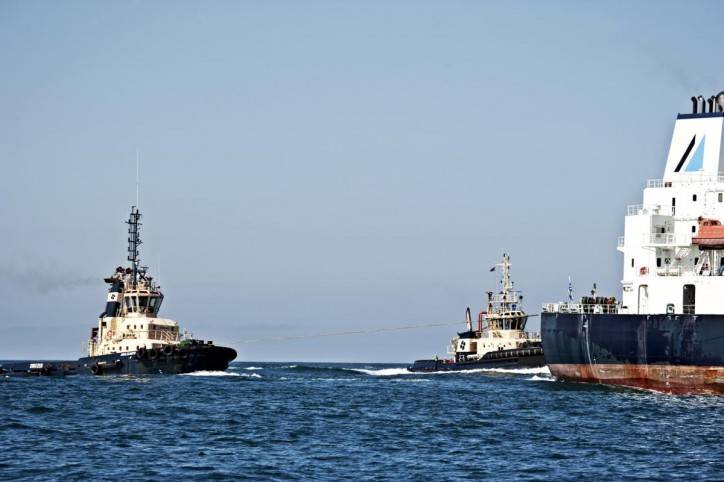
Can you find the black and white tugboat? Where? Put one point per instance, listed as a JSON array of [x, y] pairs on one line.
[[667, 332], [498, 341], [130, 338]]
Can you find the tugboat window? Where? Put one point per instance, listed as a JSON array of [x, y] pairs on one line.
[[693, 198], [131, 304], [142, 303], [658, 262], [720, 197]]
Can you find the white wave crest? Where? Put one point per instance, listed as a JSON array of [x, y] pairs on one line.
[[384, 372], [252, 368], [536, 378], [204, 373], [513, 371]]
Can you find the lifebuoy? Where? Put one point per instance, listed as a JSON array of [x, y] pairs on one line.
[[109, 334], [644, 271]]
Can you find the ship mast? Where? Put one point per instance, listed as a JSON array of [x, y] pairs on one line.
[[507, 284], [134, 240]]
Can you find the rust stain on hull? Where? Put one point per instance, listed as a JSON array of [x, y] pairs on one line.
[[674, 379]]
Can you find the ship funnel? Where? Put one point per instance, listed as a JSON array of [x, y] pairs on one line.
[[694, 105], [113, 304], [711, 104], [720, 101], [702, 104]]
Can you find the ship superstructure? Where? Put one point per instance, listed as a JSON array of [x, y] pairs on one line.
[[130, 320], [498, 340], [667, 267], [667, 332]]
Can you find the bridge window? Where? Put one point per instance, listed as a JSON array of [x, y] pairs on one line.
[[130, 302], [155, 304], [720, 197], [693, 198], [142, 303]]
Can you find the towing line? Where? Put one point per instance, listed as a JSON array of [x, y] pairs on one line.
[[342, 333]]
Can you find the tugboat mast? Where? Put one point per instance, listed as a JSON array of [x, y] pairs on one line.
[[134, 240]]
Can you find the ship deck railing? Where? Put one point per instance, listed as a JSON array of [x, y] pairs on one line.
[[686, 179], [515, 335], [681, 271], [641, 209], [566, 307], [154, 335], [657, 239]]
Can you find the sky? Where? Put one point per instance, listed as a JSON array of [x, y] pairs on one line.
[[312, 167]]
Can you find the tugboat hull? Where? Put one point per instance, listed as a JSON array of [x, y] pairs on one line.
[[180, 360], [670, 353], [517, 358]]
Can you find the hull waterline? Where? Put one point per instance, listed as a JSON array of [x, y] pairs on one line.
[[678, 354], [517, 358], [192, 359]]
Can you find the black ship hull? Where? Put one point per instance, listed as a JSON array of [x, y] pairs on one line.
[[671, 353], [515, 358], [182, 359]]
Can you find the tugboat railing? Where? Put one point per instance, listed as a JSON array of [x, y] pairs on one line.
[[155, 335]]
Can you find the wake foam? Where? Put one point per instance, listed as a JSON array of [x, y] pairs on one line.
[[204, 373], [536, 378], [383, 372]]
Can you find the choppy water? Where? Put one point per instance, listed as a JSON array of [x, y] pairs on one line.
[[266, 421]]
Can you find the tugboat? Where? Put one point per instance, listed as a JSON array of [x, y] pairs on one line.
[[667, 332], [498, 341], [129, 338]]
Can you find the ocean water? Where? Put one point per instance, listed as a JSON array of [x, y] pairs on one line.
[[323, 421]]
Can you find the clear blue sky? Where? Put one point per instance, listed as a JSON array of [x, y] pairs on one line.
[[311, 167]]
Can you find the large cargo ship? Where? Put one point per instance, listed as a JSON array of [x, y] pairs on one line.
[[129, 338], [667, 331]]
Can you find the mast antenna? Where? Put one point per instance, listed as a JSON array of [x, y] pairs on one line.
[[137, 178]]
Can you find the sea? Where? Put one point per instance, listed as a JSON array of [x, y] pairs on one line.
[[331, 421]]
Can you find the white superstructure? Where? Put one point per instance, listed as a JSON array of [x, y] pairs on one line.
[[664, 271], [129, 322]]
